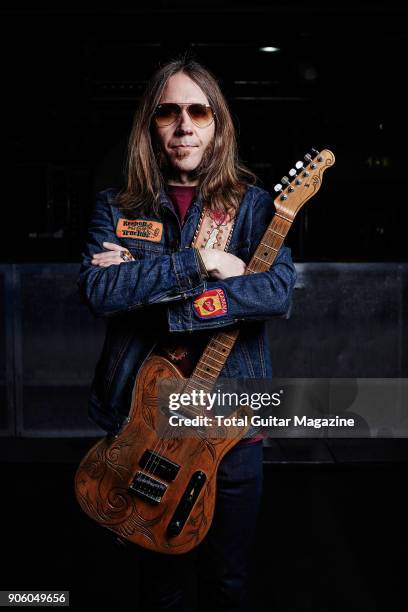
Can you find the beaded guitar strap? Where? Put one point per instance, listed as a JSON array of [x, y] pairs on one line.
[[213, 231]]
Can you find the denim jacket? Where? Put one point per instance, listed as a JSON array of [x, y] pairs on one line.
[[154, 295]]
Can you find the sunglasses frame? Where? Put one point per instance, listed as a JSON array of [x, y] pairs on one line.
[[187, 104]]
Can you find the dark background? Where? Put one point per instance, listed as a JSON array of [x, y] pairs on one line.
[[332, 532], [72, 77]]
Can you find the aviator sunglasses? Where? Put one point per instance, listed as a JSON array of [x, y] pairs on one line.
[[202, 115]]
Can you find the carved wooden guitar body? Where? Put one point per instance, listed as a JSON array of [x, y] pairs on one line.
[[106, 475], [159, 491]]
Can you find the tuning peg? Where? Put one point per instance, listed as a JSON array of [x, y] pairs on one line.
[[315, 153], [313, 165], [308, 158], [299, 165], [285, 180], [318, 155], [278, 187], [292, 172]]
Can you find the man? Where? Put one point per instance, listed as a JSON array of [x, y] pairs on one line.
[[139, 269]]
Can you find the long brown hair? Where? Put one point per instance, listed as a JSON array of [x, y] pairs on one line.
[[222, 178]]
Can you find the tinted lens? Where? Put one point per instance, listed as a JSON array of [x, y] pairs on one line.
[[166, 114], [200, 114]]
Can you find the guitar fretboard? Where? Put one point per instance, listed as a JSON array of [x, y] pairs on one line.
[[305, 183], [221, 344]]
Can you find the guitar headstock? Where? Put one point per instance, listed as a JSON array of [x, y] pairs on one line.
[[305, 180]]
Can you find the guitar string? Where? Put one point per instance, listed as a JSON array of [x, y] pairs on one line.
[[153, 463]]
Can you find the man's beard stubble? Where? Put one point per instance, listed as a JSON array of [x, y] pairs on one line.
[[168, 171]]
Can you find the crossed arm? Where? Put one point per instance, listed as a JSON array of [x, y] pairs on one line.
[[113, 286], [219, 264]]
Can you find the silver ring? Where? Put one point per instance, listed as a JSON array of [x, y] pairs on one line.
[[126, 256]]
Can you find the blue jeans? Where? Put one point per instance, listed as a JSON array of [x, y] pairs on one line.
[[219, 566]]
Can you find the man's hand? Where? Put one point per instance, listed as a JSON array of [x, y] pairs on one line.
[[221, 265], [111, 256]]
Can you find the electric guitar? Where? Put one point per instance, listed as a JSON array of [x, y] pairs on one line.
[[159, 492]]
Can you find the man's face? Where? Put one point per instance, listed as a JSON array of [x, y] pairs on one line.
[[183, 142]]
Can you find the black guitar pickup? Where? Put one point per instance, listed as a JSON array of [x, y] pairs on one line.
[[159, 466], [147, 488]]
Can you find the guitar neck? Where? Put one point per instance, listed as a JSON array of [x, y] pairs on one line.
[[269, 246], [304, 185], [221, 344]]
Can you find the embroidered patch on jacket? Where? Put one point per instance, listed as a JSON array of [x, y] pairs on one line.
[[211, 303], [139, 228]]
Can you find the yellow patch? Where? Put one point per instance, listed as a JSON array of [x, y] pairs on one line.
[[211, 303]]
